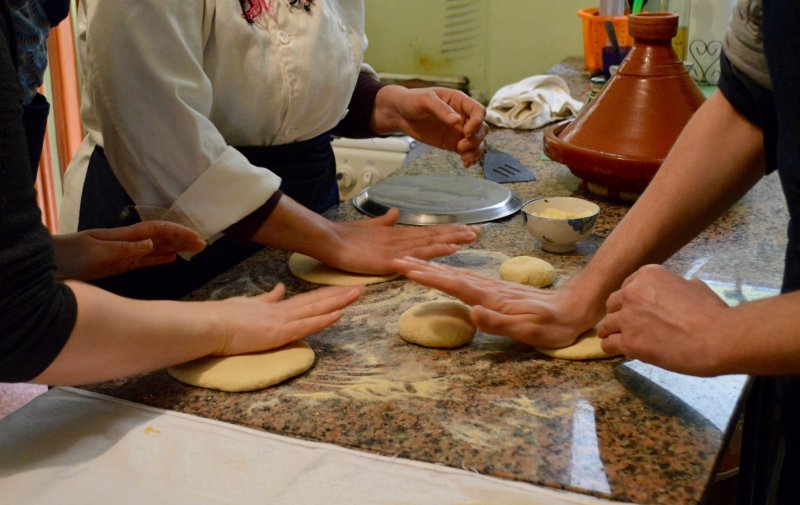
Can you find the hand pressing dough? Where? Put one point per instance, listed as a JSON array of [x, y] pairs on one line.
[[312, 270], [585, 348], [246, 372], [528, 270], [439, 323]]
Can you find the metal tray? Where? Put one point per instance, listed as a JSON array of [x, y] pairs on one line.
[[431, 199]]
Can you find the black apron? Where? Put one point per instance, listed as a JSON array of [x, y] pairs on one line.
[[308, 173]]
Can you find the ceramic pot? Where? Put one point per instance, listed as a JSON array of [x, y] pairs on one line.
[[620, 138]]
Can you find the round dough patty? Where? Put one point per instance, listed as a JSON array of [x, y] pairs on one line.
[[588, 346], [246, 372], [439, 323], [312, 270], [528, 270]]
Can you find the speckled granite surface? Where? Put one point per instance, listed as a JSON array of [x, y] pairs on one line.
[[615, 429]]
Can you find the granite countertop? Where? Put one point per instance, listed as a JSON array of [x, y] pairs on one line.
[[616, 429]]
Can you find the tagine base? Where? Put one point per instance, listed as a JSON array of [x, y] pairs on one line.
[[610, 193]]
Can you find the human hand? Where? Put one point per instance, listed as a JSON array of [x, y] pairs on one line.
[[369, 246], [269, 321], [537, 317], [440, 117], [91, 254], [663, 319], [365, 246]]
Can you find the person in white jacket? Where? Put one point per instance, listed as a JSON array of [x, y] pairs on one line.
[[217, 115]]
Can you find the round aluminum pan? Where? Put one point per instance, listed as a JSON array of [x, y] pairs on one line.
[[432, 199]]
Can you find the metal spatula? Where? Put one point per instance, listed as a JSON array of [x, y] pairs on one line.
[[502, 167]]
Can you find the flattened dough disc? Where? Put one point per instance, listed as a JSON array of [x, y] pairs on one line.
[[246, 372], [311, 270], [585, 348]]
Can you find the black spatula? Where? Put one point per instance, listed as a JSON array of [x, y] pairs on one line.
[[502, 167]]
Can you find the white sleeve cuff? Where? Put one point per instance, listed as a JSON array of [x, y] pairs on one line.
[[228, 191]]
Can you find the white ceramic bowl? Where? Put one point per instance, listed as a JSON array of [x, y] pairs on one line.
[[560, 222]]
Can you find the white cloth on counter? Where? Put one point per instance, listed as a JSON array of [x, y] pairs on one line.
[[169, 87], [74, 446], [532, 103]]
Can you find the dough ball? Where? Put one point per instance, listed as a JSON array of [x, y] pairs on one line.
[[440, 323], [246, 372], [312, 270], [528, 270], [588, 346]]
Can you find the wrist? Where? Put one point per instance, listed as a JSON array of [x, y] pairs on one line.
[[385, 118], [724, 351], [333, 236], [292, 227], [62, 257], [586, 297], [206, 324]]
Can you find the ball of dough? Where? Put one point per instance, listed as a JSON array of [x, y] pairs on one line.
[[246, 372], [440, 323], [312, 270], [528, 270]]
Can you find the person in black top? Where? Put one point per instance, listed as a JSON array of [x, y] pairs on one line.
[[68, 332], [95, 253], [749, 128]]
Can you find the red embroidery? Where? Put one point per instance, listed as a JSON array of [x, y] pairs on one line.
[[256, 8]]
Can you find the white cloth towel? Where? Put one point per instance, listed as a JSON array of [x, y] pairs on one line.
[[532, 103], [74, 446]]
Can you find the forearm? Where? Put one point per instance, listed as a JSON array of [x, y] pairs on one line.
[[292, 227], [117, 337], [760, 338], [705, 173]]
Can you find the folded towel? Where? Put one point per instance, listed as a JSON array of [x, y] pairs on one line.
[[531, 103]]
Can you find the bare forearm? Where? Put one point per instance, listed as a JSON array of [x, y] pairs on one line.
[[292, 227], [706, 172], [761, 338], [116, 337]]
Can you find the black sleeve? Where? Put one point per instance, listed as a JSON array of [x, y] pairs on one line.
[[56, 10], [754, 102], [356, 123], [37, 314]]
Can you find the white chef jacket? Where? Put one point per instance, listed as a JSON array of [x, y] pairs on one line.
[[168, 86]]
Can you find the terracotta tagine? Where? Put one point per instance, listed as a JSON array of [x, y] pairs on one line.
[[620, 138]]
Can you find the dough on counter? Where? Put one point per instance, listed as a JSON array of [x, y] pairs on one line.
[[585, 348], [438, 323], [312, 270], [246, 372], [528, 270]]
